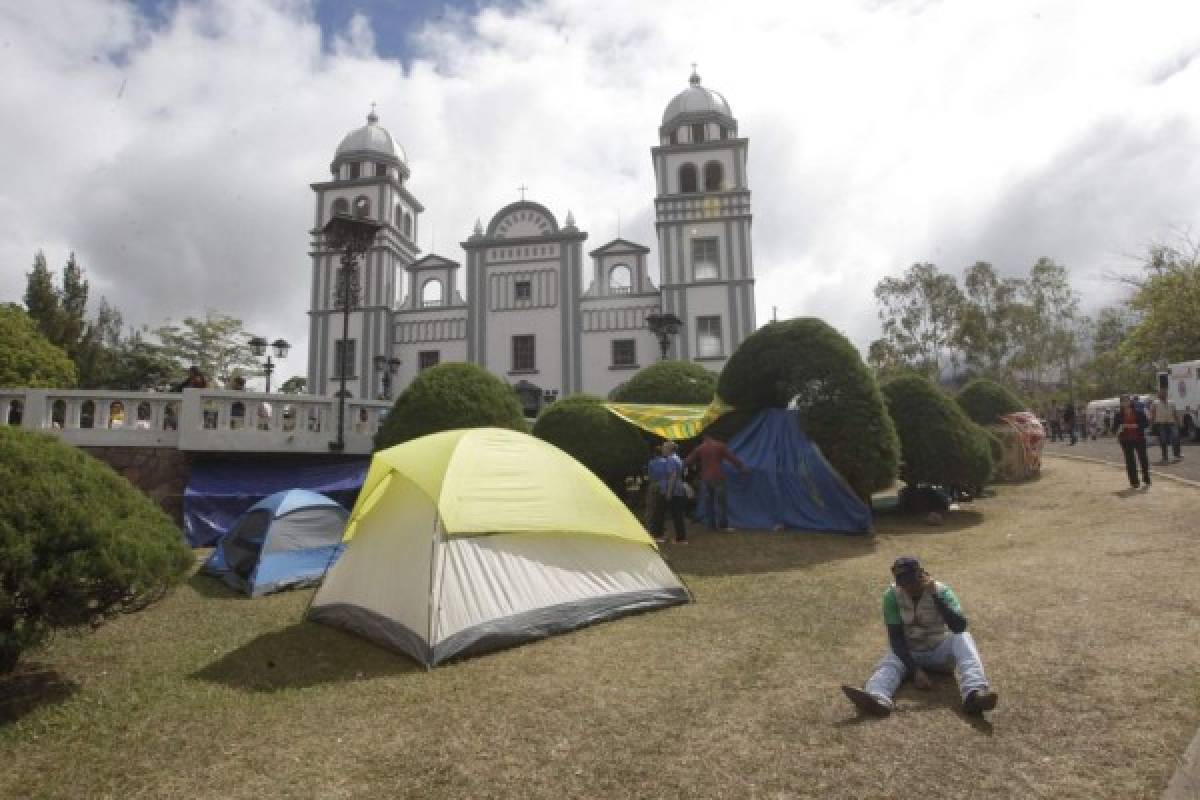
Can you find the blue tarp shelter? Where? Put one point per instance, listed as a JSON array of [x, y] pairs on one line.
[[789, 484], [218, 492], [284, 541]]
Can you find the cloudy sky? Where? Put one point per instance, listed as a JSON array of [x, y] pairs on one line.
[[171, 144]]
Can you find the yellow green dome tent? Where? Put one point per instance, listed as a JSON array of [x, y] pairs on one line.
[[469, 540]]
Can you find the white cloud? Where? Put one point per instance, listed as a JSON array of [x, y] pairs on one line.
[[175, 160]]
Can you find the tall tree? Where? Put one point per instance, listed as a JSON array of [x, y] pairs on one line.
[[987, 321], [74, 297], [919, 312], [1112, 369], [216, 344], [42, 299], [294, 385], [1167, 299]]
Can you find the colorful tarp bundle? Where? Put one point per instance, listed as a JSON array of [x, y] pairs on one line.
[[1023, 437], [669, 422], [470, 540]]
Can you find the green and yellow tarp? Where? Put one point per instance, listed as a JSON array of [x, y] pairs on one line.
[[670, 422]]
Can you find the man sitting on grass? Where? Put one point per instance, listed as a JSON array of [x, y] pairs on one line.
[[926, 631]]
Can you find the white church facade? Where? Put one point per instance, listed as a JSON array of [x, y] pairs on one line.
[[526, 301]]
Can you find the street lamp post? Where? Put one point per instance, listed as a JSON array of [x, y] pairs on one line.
[[664, 326], [258, 346], [389, 367], [352, 236]]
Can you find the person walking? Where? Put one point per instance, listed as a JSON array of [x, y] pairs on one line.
[[1131, 424], [1068, 417], [1164, 418], [656, 473], [711, 454], [926, 631], [674, 497]]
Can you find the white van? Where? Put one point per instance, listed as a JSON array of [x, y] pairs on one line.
[[1094, 413], [1183, 389]]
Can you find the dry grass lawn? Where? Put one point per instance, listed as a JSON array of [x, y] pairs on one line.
[[1085, 602]]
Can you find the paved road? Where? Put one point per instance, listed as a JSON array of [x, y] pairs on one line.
[[1107, 449]]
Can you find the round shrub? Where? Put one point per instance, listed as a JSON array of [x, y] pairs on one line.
[[985, 400], [807, 363], [607, 445], [27, 358], [668, 383], [77, 541], [941, 446], [450, 396]]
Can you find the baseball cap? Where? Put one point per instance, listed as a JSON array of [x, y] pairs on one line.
[[906, 570]]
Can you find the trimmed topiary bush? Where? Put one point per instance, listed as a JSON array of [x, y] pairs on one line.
[[806, 362], [985, 400], [27, 358], [450, 396], [607, 445], [941, 446], [668, 383], [77, 542]]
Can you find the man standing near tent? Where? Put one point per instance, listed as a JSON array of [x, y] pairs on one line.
[[674, 495], [711, 453], [926, 631]]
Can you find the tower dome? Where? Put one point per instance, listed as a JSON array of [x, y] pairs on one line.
[[696, 100], [371, 141]]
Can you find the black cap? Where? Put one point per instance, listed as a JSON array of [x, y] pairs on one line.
[[906, 570]]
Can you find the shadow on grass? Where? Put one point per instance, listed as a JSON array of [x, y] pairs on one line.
[[1129, 492], [942, 696], [29, 687], [208, 586], [903, 522], [710, 553], [303, 655]]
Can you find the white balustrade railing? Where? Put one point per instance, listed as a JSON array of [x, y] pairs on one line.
[[195, 419]]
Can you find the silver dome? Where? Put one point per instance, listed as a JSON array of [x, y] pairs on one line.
[[371, 138], [696, 100]]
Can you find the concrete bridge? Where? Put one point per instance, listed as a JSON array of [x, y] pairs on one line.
[[153, 438]]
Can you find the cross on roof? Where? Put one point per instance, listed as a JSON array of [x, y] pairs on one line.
[[522, 189], [373, 102]]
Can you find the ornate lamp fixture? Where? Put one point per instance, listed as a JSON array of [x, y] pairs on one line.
[[388, 367], [664, 326], [258, 346]]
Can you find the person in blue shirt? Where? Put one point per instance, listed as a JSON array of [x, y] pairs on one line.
[[674, 496]]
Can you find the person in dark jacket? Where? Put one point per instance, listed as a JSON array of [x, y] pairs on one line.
[[926, 631], [1131, 423]]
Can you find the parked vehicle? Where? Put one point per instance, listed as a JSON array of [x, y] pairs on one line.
[[1182, 382]]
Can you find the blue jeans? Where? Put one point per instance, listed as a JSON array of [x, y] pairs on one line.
[[1168, 434], [718, 504], [957, 649]]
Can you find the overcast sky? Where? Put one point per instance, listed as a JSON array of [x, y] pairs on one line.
[[171, 144]]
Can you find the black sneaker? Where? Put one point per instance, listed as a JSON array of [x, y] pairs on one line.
[[866, 702], [979, 701]]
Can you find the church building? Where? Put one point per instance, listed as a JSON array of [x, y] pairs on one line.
[[525, 300]]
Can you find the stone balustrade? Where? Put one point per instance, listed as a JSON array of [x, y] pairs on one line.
[[193, 420]]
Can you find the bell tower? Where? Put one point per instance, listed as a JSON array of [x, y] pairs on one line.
[[703, 220]]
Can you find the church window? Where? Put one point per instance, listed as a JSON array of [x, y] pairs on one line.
[[523, 353], [620, 280], [523, 290], [237, 415], [58, 414], [428, 358], [431, 293], [87, 414], [16, 410], [362, 206], [143, 415], [687, 178], [674, 137], [705, 266], [714, 177], [341, 206], [407, 225], [116, 414], [343, 358], [708, 337], [624, 353], [354, 170], [381, 169], [697, 133]]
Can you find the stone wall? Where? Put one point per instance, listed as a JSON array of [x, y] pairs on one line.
[[160, 472]]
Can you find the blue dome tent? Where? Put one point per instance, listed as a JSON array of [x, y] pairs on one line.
[[284, 541]]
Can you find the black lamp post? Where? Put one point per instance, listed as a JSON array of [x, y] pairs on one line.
[[389, 367], [352, 236], [664, 326], [258, 346]]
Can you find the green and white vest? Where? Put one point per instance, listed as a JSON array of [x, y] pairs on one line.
[[924, 628]]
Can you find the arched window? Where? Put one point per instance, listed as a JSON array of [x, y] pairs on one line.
[[407, 225], [362, 207], [714, 177], [354, 170], [687, 178], [143, 416], [620, 280], [341, 206], [171, 417], [87, 414], [237, 415], [398, 217], [116, 414], [289, 418], [16, 409], [58, 414], [431, 293]]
